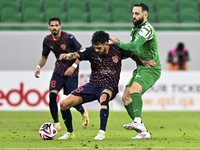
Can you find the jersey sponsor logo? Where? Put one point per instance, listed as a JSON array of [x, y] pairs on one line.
[[63, 46], [115, 59]]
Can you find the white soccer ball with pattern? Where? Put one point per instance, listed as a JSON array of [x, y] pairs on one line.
[[48, 131]]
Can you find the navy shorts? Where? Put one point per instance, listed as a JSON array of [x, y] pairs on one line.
[[58, 82], [90, 92]]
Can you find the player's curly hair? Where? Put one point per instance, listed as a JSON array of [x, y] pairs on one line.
[[100, 37]]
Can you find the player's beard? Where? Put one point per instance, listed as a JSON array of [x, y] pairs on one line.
[[104, 52], [138, 22], [55, 33]]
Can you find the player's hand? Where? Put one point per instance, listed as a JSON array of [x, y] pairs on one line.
[[37, 72], [69, 71], [149, 63], [114, 39], [63, 57]]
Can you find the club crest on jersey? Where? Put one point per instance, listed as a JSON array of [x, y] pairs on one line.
[[115, 59], [63, 46]]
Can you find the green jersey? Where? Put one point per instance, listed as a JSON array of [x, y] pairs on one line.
[[144, 43]]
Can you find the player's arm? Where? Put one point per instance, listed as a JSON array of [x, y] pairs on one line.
[[71, 69], [144, 35], [147, 63], [41, 63], [42, 60], [132, 46], [77, 60], [75, 45], [69, 56]]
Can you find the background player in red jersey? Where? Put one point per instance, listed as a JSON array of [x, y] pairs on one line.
[[105, 62], [65, 73]]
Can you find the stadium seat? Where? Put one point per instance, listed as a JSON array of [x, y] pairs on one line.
[[54, 12], [9, 3], [29, 17], [53, 3], [96, 17], [182, 4], [119, 17], [9, 9], [169, 4], [28, 3], [165, 16], [76, 16], [11, 17], [186, 17], [71, 4], [120, 4], [93, 4]]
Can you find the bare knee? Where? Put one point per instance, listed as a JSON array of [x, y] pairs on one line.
[[126, 99], [63, 106], [70, 101]]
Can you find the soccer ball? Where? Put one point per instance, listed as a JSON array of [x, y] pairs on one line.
[[48, 131]]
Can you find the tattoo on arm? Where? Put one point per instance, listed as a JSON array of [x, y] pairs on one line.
[[73, 55], [136, 58]]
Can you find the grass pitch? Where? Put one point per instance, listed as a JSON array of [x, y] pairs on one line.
[[169, 130]]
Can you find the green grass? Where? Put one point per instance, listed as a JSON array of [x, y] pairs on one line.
[[169, 130]]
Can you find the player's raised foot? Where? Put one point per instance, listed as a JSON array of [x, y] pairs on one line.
[[85, 118], [58, 126], [67, 135], [134, 126], [101, 135], [142, 135]]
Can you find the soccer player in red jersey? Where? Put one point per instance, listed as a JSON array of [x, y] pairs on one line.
[[65, 74]]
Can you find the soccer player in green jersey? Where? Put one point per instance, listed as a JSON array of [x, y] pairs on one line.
[[144, 43]]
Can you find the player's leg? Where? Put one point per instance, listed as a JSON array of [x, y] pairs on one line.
[[83, 94], [54, 88], [141, 83], [134, 106], [65, 106], [127, 100], [137, 104], [71, 83], [107, 93], [54, 108], [104, 113]]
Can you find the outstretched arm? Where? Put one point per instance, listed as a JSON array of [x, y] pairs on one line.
[[132, 46], [69, 56], [147, 63], [71, 69]]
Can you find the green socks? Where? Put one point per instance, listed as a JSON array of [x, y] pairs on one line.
[[137, 104], [129, 109], [134, 108]]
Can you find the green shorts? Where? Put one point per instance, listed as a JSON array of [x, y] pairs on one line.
[[145, 77]]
